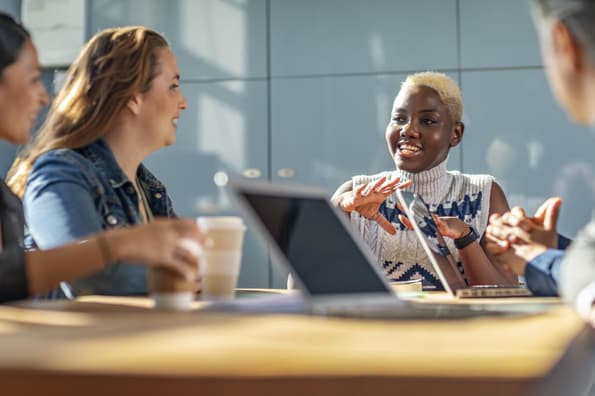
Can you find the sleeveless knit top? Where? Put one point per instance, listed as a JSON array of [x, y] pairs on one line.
[[447, 193]]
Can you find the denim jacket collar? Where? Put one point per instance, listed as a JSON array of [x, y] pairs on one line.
[[102, 157]]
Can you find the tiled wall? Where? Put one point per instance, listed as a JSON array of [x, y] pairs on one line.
[[301, 91]]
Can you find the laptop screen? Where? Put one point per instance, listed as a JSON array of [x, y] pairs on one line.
[[316, 244]]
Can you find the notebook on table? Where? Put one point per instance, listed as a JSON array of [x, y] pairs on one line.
[[332, 267], [440, 256]]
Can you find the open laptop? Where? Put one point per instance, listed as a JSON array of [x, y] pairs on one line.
[[332, 267], [440, 257]]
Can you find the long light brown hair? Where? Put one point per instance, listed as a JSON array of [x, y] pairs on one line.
[[113, 66]]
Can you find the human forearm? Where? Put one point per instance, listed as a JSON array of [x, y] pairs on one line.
[[47, 268], [155, 244], [338, 195], [479, 270]]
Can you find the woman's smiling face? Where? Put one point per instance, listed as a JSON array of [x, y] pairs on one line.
[[421, 130], [22, 95]]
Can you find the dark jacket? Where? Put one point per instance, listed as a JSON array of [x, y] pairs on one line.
[[13, 277]]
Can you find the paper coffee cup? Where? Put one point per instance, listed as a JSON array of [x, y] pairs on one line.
[[222, 256], [168, 289]]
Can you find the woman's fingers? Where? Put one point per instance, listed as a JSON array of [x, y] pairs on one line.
[[442, 226], [489, 237], [186, 258], [450, 226], [384, 223], [550, 217], [495, 219], [395, 185], [509, 219], [497, 231], [183, 239], [507, 233], [187, 228], [389, 185], [359, 190], [519, 213], [373, 186], [382, 186], [494, 247], [517, 218], [185, 264], [405, 221], [552, 203]]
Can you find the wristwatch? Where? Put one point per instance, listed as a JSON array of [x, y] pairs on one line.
[[466, 240]]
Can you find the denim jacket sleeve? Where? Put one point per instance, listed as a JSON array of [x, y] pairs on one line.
[[58, 202]]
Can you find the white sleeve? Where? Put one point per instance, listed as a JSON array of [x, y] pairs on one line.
[[577, 271], [585, 300]]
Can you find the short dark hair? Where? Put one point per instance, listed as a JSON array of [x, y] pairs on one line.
[[13, 36], [577, 15]]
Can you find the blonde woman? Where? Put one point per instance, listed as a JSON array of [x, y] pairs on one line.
[[425, 123], [26, 273], [83, 172]]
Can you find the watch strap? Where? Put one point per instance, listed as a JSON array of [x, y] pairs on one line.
[[466, 240]]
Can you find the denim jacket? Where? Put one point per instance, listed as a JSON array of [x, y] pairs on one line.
[[71, 194]]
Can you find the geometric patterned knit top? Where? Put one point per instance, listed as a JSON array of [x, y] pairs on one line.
[[447, 193]]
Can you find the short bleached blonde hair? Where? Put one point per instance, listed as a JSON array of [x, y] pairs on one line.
[[446, 87]]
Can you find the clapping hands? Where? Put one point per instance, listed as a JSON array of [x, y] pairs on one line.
[[513, 239]]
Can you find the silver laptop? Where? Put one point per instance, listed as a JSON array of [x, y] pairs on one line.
[[440, 257], [332, 267]]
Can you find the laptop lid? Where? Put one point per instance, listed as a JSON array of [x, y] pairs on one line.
[[440, 257], [432, 242], [312, 239]]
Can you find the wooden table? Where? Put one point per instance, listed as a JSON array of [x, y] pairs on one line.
[[119, 346]]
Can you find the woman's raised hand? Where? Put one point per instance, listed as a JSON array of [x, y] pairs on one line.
[[451, 227], [367, 198]]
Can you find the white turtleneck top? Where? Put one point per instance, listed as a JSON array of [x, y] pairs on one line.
[[447, 193]]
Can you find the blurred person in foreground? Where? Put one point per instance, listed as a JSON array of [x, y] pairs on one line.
[[530, 246]]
